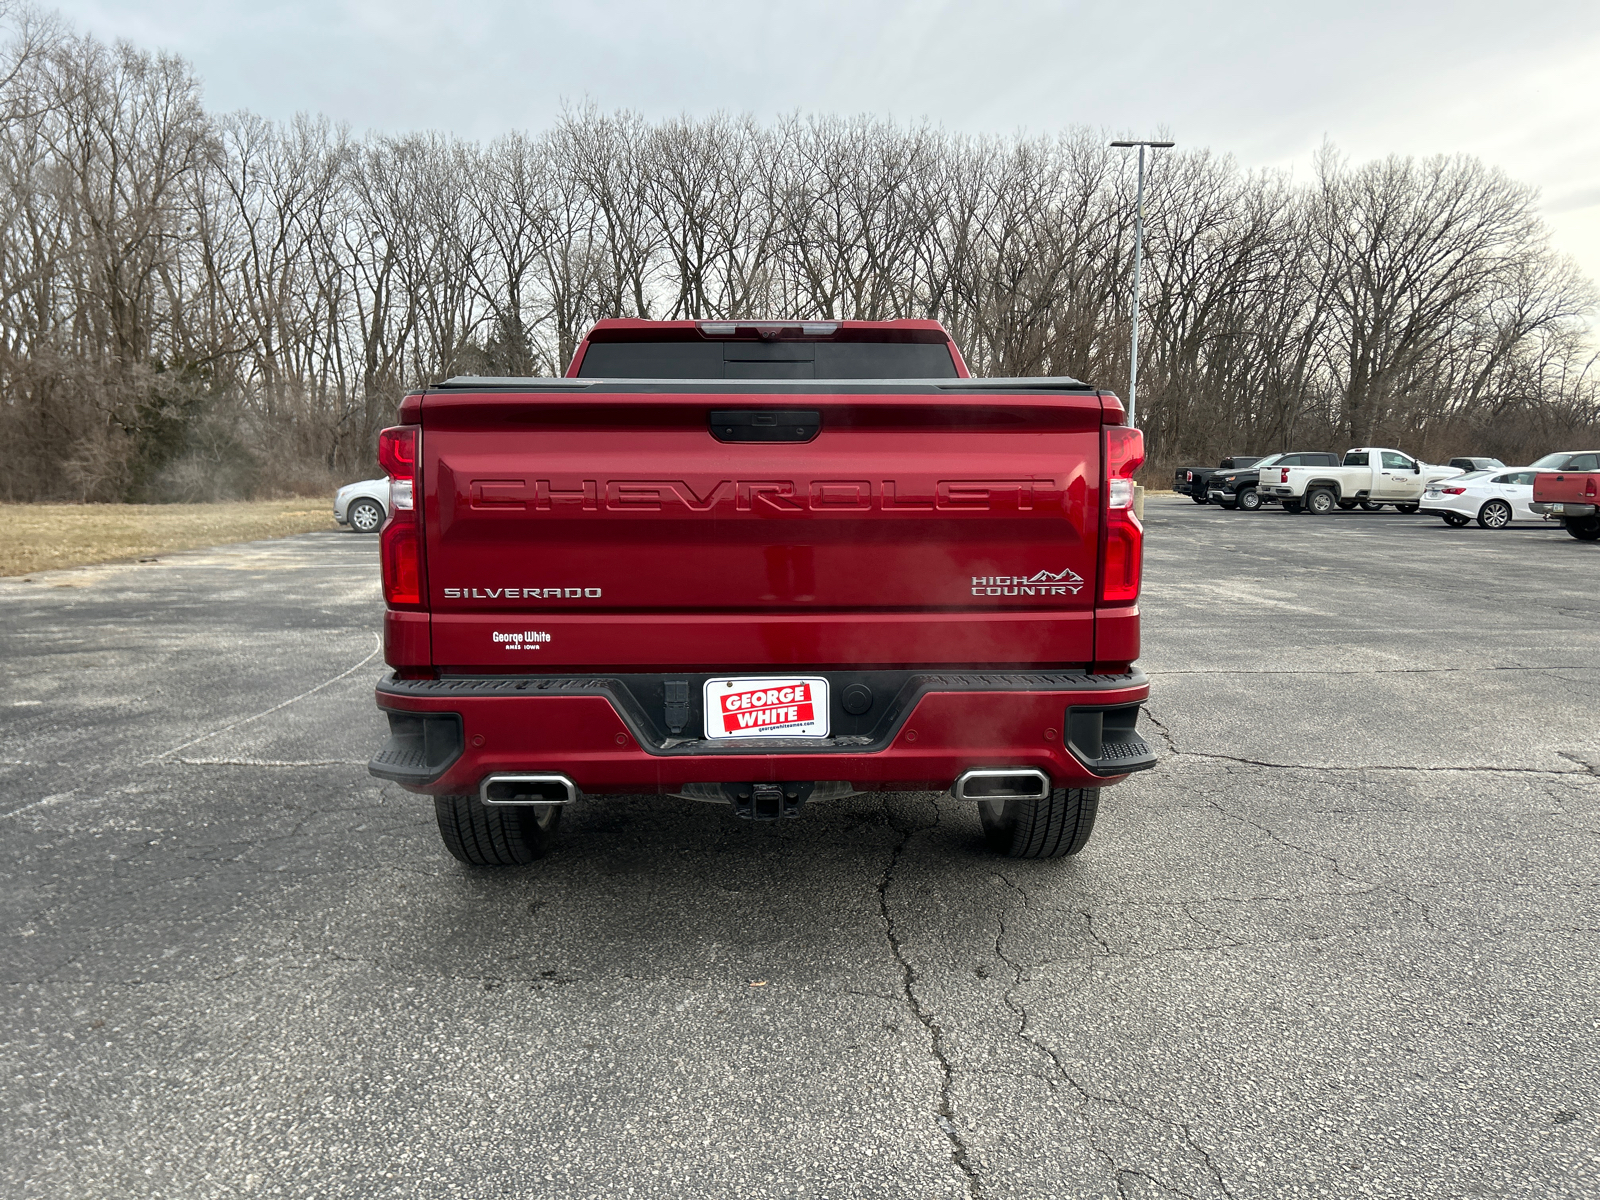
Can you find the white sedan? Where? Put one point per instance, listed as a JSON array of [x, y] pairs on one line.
[[362, 506], [1492, 498]]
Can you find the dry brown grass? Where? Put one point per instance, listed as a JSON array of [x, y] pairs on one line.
[[42, 537]]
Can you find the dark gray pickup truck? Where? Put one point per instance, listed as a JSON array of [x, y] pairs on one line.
[[1191, 481]]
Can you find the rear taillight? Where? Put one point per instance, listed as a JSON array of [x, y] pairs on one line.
[[1589, 486], [1449, 491], [1284, 476], [1122, 542], [400, 543], [402, 563]]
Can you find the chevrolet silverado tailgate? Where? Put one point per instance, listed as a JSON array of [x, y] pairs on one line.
[[615, 526]]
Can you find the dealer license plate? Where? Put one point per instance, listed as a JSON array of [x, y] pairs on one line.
[[790, 706]]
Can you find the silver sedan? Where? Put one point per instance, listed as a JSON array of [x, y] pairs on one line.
[[362, 506]]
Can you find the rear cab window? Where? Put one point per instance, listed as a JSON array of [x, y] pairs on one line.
[[763, 358]]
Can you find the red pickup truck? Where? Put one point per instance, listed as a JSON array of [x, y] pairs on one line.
[[1571, 497], [761, 564]]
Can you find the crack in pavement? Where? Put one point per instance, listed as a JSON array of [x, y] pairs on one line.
[[1338, 869], [166, 757], [1486, 768], [1585, 768], [1464, 768], [376, 650], [1085, 1096], [908, 979]]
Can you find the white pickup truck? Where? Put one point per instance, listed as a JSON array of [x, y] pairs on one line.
[[1370, 476]]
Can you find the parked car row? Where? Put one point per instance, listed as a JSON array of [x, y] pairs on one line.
[[1563, 487], [1320, 481], [1240, 488]]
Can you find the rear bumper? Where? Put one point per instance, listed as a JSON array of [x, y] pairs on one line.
[[448, 734], [1559, 508]]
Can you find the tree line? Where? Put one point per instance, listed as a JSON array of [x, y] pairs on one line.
[[195, 306]]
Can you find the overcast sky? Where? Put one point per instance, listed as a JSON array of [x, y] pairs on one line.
[[1518, 85]]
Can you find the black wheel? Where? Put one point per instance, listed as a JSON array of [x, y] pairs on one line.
[[1406, 508], [1496, 514], [1249, 500], [1370, 506], [1050, 828], [482, 835], [1320, 501], [1585, 529], [1226, 505], [1347, 505], [1198, 497], [1454, 520], [365, 516], [1291, 506]]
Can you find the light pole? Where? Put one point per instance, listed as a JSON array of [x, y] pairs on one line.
[[1138, 259]]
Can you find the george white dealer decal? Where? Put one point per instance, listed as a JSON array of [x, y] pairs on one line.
[[527, 639], [1065, 582]]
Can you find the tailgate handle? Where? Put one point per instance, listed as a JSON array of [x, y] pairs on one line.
[[765, 425]]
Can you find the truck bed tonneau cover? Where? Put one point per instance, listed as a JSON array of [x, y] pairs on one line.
[[497, 383]]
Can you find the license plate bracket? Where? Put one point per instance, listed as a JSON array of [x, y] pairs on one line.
[[789, 706]]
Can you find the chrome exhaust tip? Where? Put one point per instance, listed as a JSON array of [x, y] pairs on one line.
[[528, 789], [1002, 783]]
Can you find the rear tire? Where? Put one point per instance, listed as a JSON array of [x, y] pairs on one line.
[[1198, 497], [1369, 506], [482, 835], [1585, 529], [1408, 509], [1454, 520], [1321, 501], [1052, 828], [1249, 500], [1347, 505], [1291, 506], [1496, 514]]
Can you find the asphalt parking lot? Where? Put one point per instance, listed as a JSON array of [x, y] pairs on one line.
[[1343, 941]]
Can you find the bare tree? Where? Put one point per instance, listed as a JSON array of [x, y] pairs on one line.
[[179, 292]]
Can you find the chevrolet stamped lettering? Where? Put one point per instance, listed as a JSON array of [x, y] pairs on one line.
[[840, 496]]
